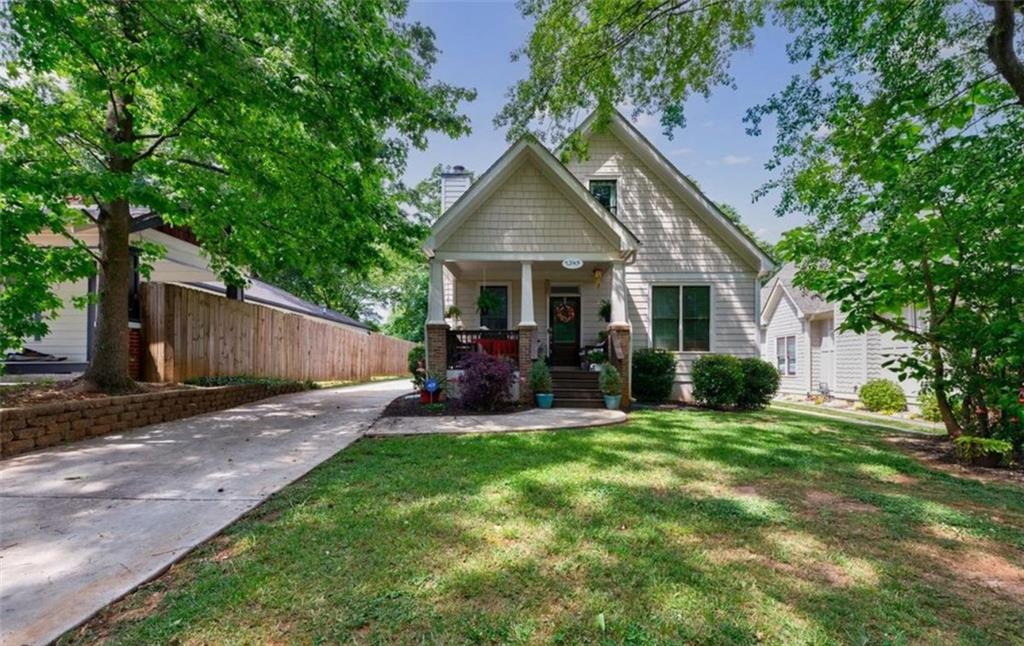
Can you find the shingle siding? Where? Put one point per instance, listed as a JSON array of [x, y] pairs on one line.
[[526, 214]]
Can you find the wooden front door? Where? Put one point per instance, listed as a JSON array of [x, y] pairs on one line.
[[564, 323]]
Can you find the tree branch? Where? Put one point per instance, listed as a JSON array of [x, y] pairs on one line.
[[198, 164], [1000, 46], [174, 132]]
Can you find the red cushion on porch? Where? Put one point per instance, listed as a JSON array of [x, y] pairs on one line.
[[499, 347]]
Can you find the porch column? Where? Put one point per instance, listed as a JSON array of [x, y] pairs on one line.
[[527, 329], [619, 333], [437, 328]]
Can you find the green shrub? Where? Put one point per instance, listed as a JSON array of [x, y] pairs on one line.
[[984, 451], [416, 355], [597, 356], [654, 372], [244, 380], [717, 380], [540, 378], [609, 380], [760, 383], [883, 396]]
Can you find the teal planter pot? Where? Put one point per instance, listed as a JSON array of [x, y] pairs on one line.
[[545, 400], [611, 402]]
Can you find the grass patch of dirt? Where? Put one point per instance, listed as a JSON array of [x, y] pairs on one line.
[[39, 393]]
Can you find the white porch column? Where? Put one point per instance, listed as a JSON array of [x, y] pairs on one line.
[[435, 302], [618, 294], [526, 292]]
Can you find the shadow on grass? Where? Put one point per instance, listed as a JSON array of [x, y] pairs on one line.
[[676, 527]]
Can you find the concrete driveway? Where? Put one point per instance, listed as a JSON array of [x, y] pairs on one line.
[[82, 525]]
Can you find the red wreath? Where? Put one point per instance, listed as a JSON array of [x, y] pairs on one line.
[[565, 313]]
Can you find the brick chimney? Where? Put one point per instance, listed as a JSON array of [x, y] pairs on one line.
[[454, 183]]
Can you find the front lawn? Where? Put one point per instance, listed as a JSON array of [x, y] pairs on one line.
[[680, 526]]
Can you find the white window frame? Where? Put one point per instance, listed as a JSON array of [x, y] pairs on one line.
[[785, 356], [711, 315]]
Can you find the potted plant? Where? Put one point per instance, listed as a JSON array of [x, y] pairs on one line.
[[596, 358], [611, 385], [540, 384], [432, 388], [487, 302], [605, 311], [452, 312]]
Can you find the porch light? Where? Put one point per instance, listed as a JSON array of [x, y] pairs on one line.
[[598, 275]]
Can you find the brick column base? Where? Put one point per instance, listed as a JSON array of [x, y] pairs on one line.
[[526, 333], [621, 355], [437, 347]]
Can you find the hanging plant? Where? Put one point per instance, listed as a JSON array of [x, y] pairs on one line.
[[487, 302], [605, 312]]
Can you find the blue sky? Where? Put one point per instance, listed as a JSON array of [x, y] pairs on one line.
[[476, 40]]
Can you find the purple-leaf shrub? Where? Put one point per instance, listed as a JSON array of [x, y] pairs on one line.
[[485, 381]]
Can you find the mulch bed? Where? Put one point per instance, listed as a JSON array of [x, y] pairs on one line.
[[937, 452], [410, 406], [34, 394]]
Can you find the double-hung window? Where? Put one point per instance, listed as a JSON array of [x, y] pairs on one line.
[[681, 318], [785, 355], [604, 191], [495, 318]]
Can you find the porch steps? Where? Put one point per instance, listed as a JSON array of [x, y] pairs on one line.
[[576, 389]]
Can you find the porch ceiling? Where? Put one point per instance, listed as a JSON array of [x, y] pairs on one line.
[[504, 269]]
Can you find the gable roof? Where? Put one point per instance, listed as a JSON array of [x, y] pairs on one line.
[[528, 148], [684, 188], [807, 303]]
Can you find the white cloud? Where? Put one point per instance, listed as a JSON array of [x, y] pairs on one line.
[[708, 123], [679, 152], [736, 160]]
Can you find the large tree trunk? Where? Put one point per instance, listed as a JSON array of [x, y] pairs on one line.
[[109, 367], [1000, 45]]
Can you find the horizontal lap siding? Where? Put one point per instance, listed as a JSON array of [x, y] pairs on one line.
[[67, 336], [786, 322], [676, 247], [526, 214]]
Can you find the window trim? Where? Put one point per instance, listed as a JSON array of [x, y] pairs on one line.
[[785, 355], [712, 297], [614, 209]]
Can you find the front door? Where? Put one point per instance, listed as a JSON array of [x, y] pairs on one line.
[[564, 322]]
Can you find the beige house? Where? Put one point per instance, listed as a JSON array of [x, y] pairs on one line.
[[551, 242], [801, 336]]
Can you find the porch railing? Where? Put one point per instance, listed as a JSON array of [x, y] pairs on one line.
[[497, 343]]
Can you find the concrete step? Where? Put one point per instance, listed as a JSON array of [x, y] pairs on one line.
[[578, 403], [577, 393]]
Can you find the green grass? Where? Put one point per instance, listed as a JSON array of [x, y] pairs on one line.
[[919, 426], [679, 526]]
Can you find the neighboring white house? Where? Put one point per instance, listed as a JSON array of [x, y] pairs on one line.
[[800, 335], [551, 241], [68, 345]]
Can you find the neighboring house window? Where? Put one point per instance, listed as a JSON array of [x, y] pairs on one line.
[[681, 318], [785, 354], [604, 191], [497, 318]]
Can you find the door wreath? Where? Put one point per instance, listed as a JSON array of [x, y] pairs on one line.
[[565, 313]]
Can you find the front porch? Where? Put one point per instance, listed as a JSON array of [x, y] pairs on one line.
[[527, 310]]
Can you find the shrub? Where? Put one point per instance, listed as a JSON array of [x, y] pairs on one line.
[[417, 355], [609, 380], [485, 381], [244, 380], [929, 407], [717, 380], [597, 356], [654, 372], [540, 378], [760, 383], [883, 396], [985, 451]]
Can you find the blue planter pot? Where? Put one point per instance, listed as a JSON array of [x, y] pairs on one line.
[[611, 402], [545, 400]]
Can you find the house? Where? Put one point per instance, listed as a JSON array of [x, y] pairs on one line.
[[549, 242], [67, 348], [800, 335]]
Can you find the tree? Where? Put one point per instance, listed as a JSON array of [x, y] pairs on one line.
[[274, 130], [729, 211], [901, 143]]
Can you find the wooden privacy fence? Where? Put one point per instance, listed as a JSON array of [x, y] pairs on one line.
[[191, 333]]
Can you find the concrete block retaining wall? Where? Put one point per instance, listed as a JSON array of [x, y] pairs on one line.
[[37, 427]]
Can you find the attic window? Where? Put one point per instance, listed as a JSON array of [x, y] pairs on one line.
[[604, 191]]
